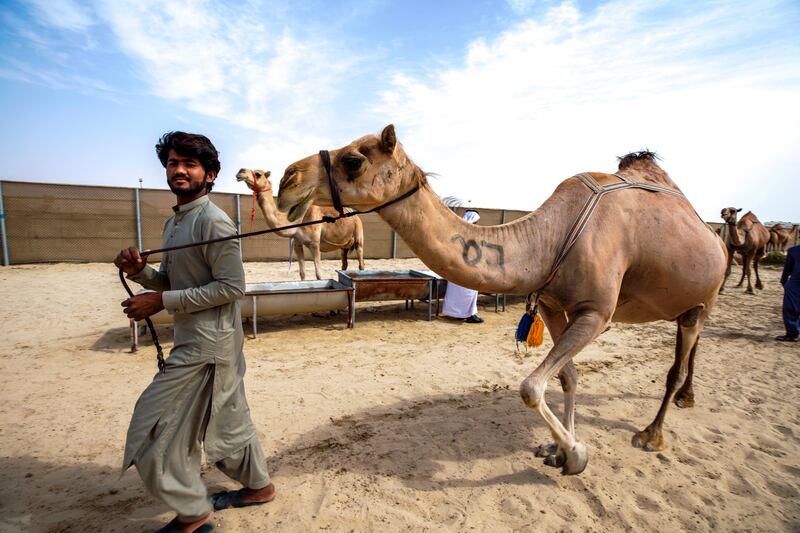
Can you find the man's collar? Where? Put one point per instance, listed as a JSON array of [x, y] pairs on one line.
[[191, 205]]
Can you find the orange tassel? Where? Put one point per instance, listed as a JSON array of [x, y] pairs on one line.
[[536, 334]]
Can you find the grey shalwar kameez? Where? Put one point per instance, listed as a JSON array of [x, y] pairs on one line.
[[200, 398]]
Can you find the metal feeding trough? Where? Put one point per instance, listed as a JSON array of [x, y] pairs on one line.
[[381, 285], [281, 298], [290, 297]]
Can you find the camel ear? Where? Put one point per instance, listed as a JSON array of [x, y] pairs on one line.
[[388, 138], [267, 173], [738, 209]]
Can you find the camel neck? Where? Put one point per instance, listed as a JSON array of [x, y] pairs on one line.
[[510, 258], [274, 218]]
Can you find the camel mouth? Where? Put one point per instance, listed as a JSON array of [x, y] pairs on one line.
[[241, 176], [297, 210]]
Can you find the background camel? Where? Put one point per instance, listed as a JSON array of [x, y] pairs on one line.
[[644, 256], [346, 234], [779, 237], [748, 237], [772, 245]]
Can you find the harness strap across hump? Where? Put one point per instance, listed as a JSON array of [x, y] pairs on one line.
[[598, 191]]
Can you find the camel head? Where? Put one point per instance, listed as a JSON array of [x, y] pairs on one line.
[[729, 214], [367, 172], [256, 179]]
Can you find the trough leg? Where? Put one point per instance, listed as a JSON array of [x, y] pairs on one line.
[[255, 314]]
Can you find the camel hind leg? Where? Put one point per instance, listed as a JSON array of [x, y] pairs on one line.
[[756, 260], [690, 324], [301, 258], [344, 258], [580, 331], [731, 253]]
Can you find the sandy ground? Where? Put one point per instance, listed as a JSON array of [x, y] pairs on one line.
[[401, 423]]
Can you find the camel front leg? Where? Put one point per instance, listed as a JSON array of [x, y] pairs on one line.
[[689, 326], [580, 332], [748, 260], [745, 263], [360, 250], [301, 258], [556, 323]]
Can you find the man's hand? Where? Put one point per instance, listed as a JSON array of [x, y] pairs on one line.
[[144, 305], [130, 261]]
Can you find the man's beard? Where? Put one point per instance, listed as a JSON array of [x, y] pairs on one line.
[[193, 189]]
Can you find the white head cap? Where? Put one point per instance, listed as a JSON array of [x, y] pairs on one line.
[[471, 216]]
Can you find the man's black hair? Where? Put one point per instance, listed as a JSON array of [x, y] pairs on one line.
[[190, 145]]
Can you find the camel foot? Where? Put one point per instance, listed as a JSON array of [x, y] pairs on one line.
[[684, 400], [577, 459], [759, 285], [546, 450], [649, 440], [557, 459], [740, 284], [749, 290]]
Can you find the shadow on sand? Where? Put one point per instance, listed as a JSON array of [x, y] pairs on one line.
[[422, 442]]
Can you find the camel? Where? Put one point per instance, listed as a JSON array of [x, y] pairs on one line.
[[346, 234], [772, 245], [779, 237], [748, 237], [643, 256]]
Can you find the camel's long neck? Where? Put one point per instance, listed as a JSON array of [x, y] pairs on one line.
[[734, 239], [510, 258], [274, 218]]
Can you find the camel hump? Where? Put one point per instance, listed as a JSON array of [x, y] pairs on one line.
[[643, 166], [751, 217]]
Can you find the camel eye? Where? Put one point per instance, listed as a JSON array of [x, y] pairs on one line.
[[352, 164]]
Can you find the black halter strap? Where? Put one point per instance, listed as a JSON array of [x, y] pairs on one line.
[[326, 162]]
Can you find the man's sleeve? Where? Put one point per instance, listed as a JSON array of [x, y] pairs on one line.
[[227, 272], [150, 278], [788, 267]]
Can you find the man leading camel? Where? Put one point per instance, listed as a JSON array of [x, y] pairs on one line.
[[200, 398]]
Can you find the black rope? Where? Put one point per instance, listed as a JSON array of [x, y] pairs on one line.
[[325, 219], [162, 366]]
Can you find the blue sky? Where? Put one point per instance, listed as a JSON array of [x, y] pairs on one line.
[[501, 99]]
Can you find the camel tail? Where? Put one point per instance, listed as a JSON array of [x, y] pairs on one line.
[[291, 247]]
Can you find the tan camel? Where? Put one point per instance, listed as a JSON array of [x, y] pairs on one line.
[[749, 237], [346, 234], [643, 256]]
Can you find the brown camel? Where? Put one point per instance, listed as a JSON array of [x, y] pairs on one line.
[[643, 256], [346, 234], [748, 237], [772, 245], [779, 237]]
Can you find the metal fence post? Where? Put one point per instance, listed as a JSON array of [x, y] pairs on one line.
[[138, 201], [238, 216], [3, 235], [503, 216], [394, 244]]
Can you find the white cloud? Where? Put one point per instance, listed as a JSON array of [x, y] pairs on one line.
[[62, 14], [569, 91], [228, 62]]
